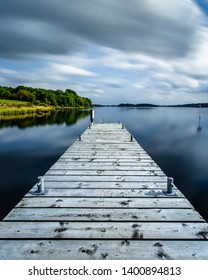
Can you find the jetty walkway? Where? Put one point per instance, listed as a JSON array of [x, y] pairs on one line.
[[105, 198]]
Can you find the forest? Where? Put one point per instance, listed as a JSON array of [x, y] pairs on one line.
[[47, 97]]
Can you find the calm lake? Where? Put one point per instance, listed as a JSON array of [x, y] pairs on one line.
[[176, 138]]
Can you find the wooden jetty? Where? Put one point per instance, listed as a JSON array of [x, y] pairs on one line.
[[106, 199]]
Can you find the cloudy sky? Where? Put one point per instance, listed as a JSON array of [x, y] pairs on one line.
[[112, 51]]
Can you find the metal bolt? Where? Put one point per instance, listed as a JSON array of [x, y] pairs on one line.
[[170, 185], [40, 185]]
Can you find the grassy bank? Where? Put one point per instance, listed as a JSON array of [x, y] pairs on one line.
[[14, 107]]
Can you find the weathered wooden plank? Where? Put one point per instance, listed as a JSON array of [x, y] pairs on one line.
[[106, 185], [105, 132], [86, 166], [109, 141], [113, 202], [106, 157], [103, 249], [105, 153], [101, 178], [103, 172], [108, 127], [82, 147], [102, 130], [58, 192], [101, 147], [124, 164], [102, 230], [115, 160], [90, 214]]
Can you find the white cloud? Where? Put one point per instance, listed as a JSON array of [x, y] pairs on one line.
[[6, 71], [111, 51], [72, 70]]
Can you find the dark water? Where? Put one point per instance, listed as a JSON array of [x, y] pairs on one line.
[[176, 138], [28, 148]]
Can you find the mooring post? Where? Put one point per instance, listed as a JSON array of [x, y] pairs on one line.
[[90, 126], [92, 116], [131, 139], [80, 138], [40, 185], [122, 126], [170, 185]]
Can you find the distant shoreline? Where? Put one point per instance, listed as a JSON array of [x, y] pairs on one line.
[[147, 105]]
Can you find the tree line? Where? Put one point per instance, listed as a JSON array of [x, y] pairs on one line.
[[39, 96]]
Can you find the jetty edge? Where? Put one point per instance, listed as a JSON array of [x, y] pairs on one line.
[[105, 198]]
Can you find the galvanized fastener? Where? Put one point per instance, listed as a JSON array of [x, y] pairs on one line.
[[40, 186], [170, 185]]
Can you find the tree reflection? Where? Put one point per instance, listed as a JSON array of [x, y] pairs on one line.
[[59, 117], [199, 127]]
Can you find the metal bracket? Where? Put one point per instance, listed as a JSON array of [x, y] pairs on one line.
[[40, 186], [170, 186]]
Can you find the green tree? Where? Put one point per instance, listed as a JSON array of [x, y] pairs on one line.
[[25, 95], [37, 96]]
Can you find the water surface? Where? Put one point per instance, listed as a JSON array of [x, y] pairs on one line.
[[176, 138], [28, 148]]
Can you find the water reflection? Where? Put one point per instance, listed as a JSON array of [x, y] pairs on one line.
[[67, 117], [199, 128], [28, 148]]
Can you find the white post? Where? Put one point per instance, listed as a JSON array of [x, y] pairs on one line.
[[92, 116]]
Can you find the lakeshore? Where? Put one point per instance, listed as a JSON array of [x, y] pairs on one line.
[[13, 108]]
